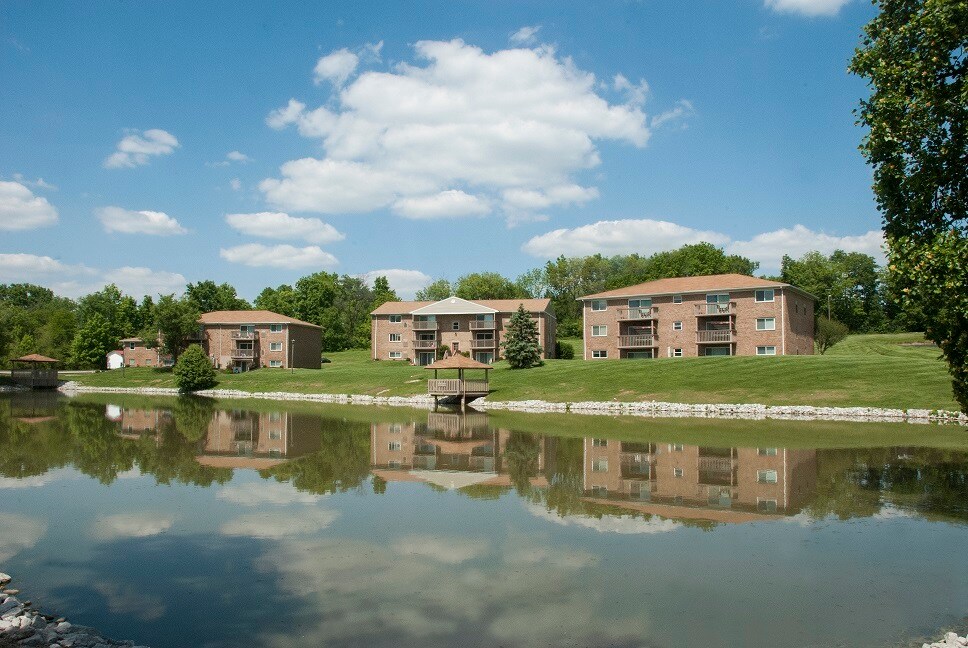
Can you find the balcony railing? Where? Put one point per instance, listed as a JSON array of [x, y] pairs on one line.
[[482, 325], [456, 387], [627, 314], [705, 310], [424, 326], [637, 341], [713, 337], [425, 344], [482, 344], [243, 353], [245, 335]]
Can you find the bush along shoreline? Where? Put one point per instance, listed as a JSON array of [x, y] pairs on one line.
[[22, 625]]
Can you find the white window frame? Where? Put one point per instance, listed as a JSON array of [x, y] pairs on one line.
[[677, 299], [394, 446], [275, 435], [599, 443], [395, 319], [275, 346], [677, 353], [396, 355], [678, 472], [677, 326], [599, 353], [600, 327], [766, 505], [455, 326], [762, 292], [600, 465], [677, 447], [768, 350], [599, 302], [766, 452], [275, 328], [276, 364], [769, 323], [766, 476], [395, 337]]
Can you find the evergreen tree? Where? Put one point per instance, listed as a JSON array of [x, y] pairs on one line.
[[521, 347]]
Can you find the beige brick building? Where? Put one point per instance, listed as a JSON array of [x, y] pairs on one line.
[[413, 331], [260, 338], [699, 316], [136, 354]]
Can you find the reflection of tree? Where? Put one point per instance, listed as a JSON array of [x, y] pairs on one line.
[[193, 414], [341, 463], [379, 485], [521, 459], [566, 480]]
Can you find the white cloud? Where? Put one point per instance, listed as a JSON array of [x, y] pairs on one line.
[[635, 93], [446, 204], [336, 67], [74, 280], [405, 282], [126, 601], [19, 533], [533, 200], [277, 225], [20, 209], [136, 149], [39, 183], [278, 494], [647, 236], [236, 184], [127, 221], [130, 525], [278, 256], [459, 123], [525, 36], [807, 7], [279, 525], [237, 156], [682, 109], [450, 551]]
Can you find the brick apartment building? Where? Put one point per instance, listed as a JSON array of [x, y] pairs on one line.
[[134, 353], [712, 315], [414, 330]]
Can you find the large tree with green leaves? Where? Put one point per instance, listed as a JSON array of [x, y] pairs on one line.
[[847, 282], [92, 343], [521, 346], [437, 290], [914, 57], [487, 285], [176, 322], [207, 296]]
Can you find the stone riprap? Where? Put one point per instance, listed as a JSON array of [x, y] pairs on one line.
[[951, 640], [652, 409], [22, 625]]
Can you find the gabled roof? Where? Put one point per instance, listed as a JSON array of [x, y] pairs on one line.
[[489, 306], [681, 285], [250, 317]]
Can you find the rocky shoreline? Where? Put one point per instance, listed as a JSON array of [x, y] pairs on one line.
[[22, 625], [649, 409], [951, 640]]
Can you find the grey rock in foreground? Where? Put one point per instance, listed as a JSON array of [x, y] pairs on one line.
[[21, 625], [951, 640]]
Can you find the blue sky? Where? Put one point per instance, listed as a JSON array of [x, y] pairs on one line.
[[153, 144]]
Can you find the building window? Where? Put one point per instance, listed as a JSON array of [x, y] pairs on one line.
[[677, 326], [765, 295], [395, 428], [677, 472], [275, 363], [677, 447], [600, 354], [677, 353], [766, 506], [275, 346], [484, 356], [394, 446], [766, 476], [275, 328], [640, 303], [599, 304], [599, 443], [396, 337], [599, 330], [766, 452], [455, 326], [131, 345], [765, 323], [599, 491], [766, 350], [677, 299], [148, 362], [396, 319], [396, 355], [275, 435], [600, 465]]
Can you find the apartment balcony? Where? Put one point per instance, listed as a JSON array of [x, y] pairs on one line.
[[483, 344], [482, 325], [425, 344], [637, 341], [245, 335], [634, 314], [243, 354], [424, 326], [714, 310], [726, 336], [717, 471]]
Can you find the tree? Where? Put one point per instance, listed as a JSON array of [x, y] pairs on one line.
[[521, 347], [176, 322], [486, 285], [92, 343], [828, 333], [914, 57], [314, 294], [206, 296], [194, 371], [439, 289], [533, 283], [280, 300], [382, 292], [850, 280]]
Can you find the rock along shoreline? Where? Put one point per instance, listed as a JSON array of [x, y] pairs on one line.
[[647, 409], [21, 625]]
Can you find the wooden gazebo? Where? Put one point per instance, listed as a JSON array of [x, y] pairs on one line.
[[458, 388], [35, 371]]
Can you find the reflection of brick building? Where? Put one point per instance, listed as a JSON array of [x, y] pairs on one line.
[[244, 439], [658, 478], [134, 421]]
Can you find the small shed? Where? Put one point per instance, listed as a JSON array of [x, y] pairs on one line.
[[458, 388], [35, 371], [115, 359]]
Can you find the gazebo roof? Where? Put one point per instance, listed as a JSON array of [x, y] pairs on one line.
[[458, 361], [35, 357]]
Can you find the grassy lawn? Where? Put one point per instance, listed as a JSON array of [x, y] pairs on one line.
[[864, 370]]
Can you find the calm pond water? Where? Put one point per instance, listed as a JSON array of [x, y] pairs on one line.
[[190, 523]]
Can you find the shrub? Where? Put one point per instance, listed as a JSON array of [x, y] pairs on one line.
[[194, 371], [564, 351], [828, 333]]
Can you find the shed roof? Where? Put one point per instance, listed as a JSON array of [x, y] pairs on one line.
[[462, 306], [250, 317], [704, 283], [35, 357], [458, 362]]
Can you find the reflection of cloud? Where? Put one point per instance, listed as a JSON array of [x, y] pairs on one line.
[[279, 525], [34, 481], [450, 551], [126, 600], [18, 532], [891, 512], [544, 555], [266, 493], [130, 525], [621, 524], [357, 592]]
